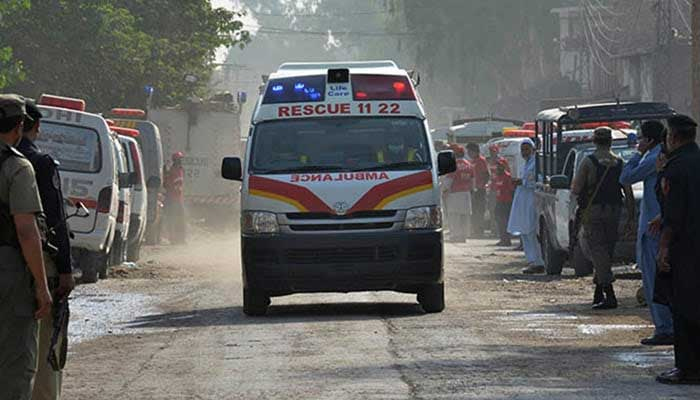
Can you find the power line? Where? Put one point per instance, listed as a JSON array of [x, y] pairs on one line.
[[680, 12], [271, 30], [592, 40]]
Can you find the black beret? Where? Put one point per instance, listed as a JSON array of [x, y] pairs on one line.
[[32, 110]]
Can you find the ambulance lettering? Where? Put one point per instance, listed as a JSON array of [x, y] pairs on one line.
[[346, 176], [311, 110]]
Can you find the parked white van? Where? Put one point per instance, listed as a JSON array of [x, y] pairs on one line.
[[137, 222], [82, 143]]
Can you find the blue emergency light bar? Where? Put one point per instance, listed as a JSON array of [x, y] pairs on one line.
[[295, 90]]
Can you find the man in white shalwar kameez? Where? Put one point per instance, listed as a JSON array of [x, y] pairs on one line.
[[523, 216]]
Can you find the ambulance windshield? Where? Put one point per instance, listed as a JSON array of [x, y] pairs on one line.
[[347, 144], [76, 148]]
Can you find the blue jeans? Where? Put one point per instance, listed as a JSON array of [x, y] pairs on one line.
[[647, 248]]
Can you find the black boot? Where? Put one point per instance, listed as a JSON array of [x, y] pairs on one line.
[[610, 301], [598, 295]]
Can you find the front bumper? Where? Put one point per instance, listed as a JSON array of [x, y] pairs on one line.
[[282, 264]]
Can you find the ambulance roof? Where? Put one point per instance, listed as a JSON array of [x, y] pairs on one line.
[[368, 88], [321, 68], [69, 116]]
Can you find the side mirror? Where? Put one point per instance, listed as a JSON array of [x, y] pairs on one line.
[[124, 181], [559, 182], [81, 211], [232, 169], [446, 162]]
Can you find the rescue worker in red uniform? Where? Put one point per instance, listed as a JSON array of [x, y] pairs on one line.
[[493, 160], [481, 179], [503, 188], [175, 200], [458, 186]]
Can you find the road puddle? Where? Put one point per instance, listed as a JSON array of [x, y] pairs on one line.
[[591, 329], [646, 359]]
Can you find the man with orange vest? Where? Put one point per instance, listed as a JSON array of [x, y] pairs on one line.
[[175, 200], [458, 186]]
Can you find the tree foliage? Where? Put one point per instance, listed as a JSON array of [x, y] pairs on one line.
[[107, 51], [476, 52]]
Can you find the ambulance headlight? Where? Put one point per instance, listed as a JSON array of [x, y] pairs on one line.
[[259, 222], [423, 218]]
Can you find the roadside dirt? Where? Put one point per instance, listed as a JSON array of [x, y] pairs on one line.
[[503, 335]]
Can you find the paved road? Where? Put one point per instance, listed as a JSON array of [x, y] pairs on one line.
[[174, 329]]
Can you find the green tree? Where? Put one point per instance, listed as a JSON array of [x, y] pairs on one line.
[[10, 68], [106, 51]]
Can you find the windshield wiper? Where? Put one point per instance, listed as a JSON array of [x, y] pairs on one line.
[[305, 168], [395, 166]]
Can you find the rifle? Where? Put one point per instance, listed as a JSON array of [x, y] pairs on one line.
[[61, 316]]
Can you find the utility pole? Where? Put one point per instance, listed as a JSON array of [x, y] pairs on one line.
[[662, 59], [695, 17]]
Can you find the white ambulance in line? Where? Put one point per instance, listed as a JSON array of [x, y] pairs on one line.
[[139, 206], [340, 186], [81, 142]]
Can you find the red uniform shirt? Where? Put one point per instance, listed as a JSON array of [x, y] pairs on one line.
[[493, 164], [503, 186], [462, 178], [174, 182], [481, 172]]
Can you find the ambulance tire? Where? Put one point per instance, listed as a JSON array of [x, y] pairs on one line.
[[432, 298], [91, 264], [133, 253], [255, 302]]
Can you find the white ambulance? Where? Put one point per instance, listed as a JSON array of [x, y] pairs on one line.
[[81, 142], [340, 186]]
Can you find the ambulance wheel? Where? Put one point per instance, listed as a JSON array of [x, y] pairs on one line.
[[90, 274], [432, 298], [91, 264], [255, 302], [133, 253]]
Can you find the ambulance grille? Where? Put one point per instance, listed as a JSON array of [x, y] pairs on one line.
[[341, 227], [359, 214], [342, 255]]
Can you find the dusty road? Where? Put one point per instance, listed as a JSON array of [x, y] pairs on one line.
[[174, 329]]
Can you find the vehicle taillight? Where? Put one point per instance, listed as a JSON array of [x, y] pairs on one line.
[[137, 161], [104, 200], [120, 212]]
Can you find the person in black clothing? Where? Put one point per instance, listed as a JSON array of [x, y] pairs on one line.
[[679, 248], [57, 254]]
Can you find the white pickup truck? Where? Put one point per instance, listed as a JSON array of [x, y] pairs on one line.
[[556, 211]]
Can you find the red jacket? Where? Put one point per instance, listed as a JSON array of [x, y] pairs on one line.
[[174, 181], [462, 178], [481, 172], [493, 165], [503, 186]]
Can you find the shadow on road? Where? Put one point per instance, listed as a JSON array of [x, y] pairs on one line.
[[278, 314]]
